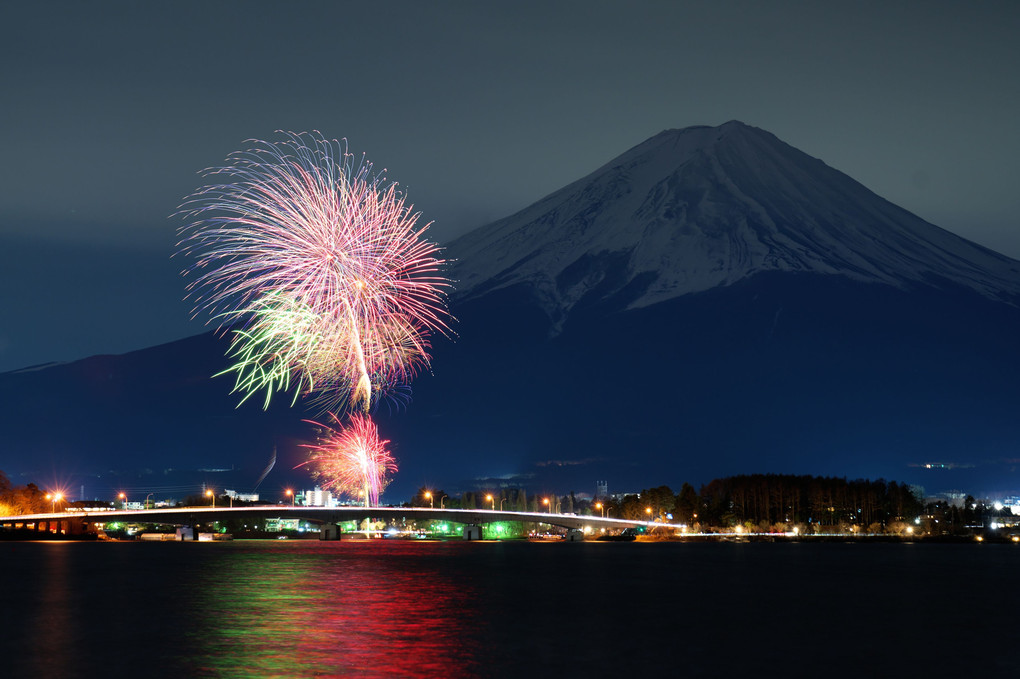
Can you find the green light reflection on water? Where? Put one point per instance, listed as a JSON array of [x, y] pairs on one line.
[[370, 608]]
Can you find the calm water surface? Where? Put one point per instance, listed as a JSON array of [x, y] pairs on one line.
[[483, 609]]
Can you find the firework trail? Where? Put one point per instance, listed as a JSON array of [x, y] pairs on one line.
[[265, 472], [351, 460], [323, 265]]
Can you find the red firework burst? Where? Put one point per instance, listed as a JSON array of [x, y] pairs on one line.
[[351, 460]]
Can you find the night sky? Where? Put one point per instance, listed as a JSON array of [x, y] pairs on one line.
[[477, 108]]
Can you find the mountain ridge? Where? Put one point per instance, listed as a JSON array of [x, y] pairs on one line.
[[698, 207], [790, 347]]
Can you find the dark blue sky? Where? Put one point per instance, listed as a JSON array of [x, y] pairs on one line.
[[477, 109]]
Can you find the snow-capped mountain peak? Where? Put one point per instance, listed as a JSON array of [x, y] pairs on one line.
[[692, 209]]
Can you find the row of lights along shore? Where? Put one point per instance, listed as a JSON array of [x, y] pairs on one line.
[[56, 497]]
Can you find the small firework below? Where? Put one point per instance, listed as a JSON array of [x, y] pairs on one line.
[[352, 460], [321, 270]]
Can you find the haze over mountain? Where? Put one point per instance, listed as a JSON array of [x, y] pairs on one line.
[[711, 302]]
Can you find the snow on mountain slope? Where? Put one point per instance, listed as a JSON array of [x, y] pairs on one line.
[[692, 209]]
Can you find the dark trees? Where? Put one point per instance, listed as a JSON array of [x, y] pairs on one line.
[[779, 498], [16, 500]]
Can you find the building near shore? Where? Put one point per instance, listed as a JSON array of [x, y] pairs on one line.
[[316, 498]]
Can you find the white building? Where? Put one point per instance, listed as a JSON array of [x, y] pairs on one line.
[[317, 498], [242, 497]]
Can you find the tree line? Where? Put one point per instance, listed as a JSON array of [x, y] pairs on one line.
[[829, 501], [758, 500], [15, 500]]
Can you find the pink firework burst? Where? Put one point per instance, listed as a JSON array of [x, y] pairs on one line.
[[352, 460], [300, 222]]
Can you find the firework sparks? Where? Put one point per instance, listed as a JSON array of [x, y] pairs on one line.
[[351, 460], [326, 264], [269, 353]]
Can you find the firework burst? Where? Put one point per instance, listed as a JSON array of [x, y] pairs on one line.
[[269, 353], [324, 265], [351, 460]]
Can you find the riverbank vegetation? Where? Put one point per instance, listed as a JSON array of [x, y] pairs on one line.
[[15, 500], [759, 503]]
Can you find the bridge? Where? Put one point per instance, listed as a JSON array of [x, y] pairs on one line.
[[79, 522]]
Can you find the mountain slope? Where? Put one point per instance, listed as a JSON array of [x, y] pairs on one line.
[[689, 210], [156, 416], [712, 302], [780, 372]]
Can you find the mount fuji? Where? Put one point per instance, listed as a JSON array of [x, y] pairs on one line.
[[715, 301], [694, 209], [711, 302]]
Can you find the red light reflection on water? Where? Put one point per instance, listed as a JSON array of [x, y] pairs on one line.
[[368, 608]]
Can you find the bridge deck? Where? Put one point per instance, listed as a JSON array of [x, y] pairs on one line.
[[189, 516]]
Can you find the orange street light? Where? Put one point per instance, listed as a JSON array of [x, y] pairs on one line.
[[489, 498], [54, 498], [290, 493], [545, 501], [123, 500], [428, 496], [599, 506], [648, 511], [211, 494]]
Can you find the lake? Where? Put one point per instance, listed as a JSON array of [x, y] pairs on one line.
[[395, 608]]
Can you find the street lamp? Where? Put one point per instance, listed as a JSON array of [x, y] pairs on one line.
[[211, 494], [428, 496], [147, 499], [648, 511], [290, 493], [545, 501], [442, 500], [490, 499], [54, 498], [123, 500], [501, 501], [601, 509]]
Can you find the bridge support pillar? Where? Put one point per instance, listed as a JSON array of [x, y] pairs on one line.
[[79, 527], [472, 532], [575, 535], [185, 533], [329, 531]]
